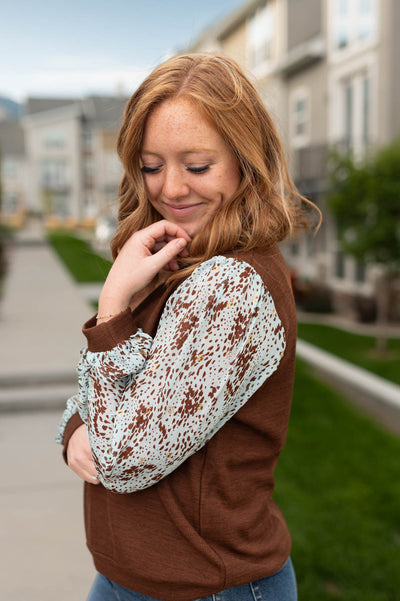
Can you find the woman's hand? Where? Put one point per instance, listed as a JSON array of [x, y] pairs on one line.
[[79, 456], [143, 255]]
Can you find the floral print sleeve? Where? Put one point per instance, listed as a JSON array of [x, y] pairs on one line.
[[151, 403]]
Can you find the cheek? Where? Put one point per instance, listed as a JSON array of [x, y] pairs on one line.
[[228, 184], [151, 188]]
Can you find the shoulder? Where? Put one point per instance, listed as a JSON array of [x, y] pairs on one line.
[[218, 283], [221, 275]]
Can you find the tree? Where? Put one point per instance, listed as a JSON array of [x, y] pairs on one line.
[[365, 199]]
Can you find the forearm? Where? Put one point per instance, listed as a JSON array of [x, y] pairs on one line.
[[203, 365]]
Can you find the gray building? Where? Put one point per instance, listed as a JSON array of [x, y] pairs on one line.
[[327, 72]]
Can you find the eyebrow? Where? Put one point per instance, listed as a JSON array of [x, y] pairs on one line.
[[185, 152]]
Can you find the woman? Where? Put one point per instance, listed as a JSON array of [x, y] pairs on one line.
[[185, 384]]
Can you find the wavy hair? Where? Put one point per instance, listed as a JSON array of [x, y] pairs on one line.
[[266, 207]]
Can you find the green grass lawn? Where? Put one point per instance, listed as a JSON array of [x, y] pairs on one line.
[[355, 348], [83, 263], [338, 484]]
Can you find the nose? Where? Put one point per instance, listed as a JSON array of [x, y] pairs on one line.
[[174, 185]]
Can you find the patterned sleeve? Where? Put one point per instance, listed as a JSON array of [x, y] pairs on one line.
[[71, 408], [150, 404]]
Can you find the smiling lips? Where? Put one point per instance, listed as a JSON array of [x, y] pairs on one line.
[[181, 210]]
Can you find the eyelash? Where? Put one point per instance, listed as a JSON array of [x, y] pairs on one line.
[[145, 169]]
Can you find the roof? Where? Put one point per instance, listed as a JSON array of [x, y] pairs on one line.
[[222, 28], [40, 105], [104, 111], [98, 111]]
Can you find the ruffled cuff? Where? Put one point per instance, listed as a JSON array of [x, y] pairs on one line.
[[71, 409], [125, 359]]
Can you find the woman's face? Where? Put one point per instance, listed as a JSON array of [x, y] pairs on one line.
[[188, 169]]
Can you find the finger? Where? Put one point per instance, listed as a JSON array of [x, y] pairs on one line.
[[86, 471], [88, 475], [158, 246], [161, 230], [168, 253], [184, 253], [172, 265]]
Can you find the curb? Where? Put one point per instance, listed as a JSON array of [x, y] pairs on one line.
[[362, 381], [35, 398]]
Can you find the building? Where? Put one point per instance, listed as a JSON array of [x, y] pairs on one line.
[[327, 72], [68, 151], [13, 171]]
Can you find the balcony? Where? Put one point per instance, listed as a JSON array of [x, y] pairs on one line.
[[310, 168], [303, 56]]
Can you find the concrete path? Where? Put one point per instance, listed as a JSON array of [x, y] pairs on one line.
[[40, 317], [42, 542]]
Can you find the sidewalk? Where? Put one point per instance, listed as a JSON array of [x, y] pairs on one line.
[[40, 317], [43, 550], [42, 540]]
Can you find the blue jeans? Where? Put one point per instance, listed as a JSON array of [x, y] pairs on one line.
[[278, 587]]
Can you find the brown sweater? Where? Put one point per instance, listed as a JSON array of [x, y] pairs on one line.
[[211, 523]]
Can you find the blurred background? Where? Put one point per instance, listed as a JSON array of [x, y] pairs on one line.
[[328, 72]]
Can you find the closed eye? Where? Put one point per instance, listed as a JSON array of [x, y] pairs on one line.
[[198, 169], [145, 169]]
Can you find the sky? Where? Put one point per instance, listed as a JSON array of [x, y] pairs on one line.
[[79, 47]]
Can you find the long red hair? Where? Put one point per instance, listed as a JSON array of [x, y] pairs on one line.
[[266, 208]]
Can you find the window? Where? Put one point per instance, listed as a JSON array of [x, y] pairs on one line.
[[300, 117], [340, 265], [348, 115], [366, 27], [342, 33], [356, 112], [10, 203], [260, 38], [88, 140], [53, 139], [88, 169], [360, 272], [366, 110], [10, 168], [55, 174], [60, 204], [353, 20]]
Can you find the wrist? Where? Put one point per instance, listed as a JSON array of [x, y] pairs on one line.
[[104, 317], [110, 307]]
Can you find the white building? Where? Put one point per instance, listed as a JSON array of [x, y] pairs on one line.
[[68, 149]]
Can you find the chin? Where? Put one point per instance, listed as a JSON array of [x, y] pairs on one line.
[[193, 231]]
